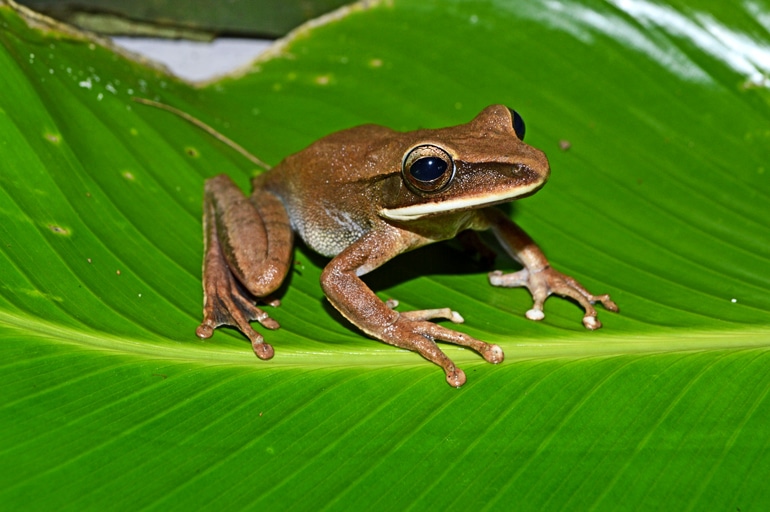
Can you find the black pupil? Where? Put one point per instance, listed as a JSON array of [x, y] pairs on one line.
[[518, 124], [428, 168]]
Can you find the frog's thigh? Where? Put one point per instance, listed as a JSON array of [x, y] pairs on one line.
[[253, 233]]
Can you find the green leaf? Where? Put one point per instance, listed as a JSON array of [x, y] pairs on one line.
[[185, 18], [661, 200]]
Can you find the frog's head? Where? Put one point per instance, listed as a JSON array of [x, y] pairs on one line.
[[475, 165]]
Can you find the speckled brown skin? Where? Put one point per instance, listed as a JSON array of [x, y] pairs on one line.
[[348, 198]]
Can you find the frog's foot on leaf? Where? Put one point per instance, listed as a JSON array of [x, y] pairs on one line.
[[412, 331], [227, 303], [547, 281], [237, 270]]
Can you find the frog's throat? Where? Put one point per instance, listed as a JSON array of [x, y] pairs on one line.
[[435, 207]]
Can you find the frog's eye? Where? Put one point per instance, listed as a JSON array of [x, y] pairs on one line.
[[518, 124], [427, 168]]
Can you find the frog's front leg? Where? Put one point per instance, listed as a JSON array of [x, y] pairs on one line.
[[247, 252], [412, 330], [537, 275]]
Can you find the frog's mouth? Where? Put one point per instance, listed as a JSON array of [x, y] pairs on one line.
[[439, 205]]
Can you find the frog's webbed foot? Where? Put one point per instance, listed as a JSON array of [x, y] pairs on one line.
[[547, 281], [226, 302], [413, 330]]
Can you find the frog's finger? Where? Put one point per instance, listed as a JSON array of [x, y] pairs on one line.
[[434, 314], [567, 286], [405, 334], [490, 352]]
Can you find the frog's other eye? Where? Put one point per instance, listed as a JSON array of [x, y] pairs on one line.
[[518, 124], [427, 168]]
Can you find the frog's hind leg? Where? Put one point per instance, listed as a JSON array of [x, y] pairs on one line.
[[247, 251]]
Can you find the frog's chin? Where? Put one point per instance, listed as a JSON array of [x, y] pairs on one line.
[[471, 202]]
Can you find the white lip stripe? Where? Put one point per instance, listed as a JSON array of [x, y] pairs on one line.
[[464, 203]]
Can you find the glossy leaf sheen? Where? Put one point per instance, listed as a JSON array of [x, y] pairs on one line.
[[662, 199]]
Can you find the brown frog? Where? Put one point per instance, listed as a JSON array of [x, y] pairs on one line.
[[363, 196]]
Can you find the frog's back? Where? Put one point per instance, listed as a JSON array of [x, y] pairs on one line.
[[327, 187]]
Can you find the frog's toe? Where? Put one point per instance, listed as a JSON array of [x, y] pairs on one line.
[[577, 292], [237, 309], [511, 280], [456, 318], [455, 377], [493, 354], [262, 350], [591, 322], [428, 314], [535, 314], [608, 303], [205, 330]]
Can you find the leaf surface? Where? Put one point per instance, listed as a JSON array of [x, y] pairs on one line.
[[660, 200]]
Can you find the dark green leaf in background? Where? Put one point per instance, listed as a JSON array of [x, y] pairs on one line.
[[661, 199], [198, 19]]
